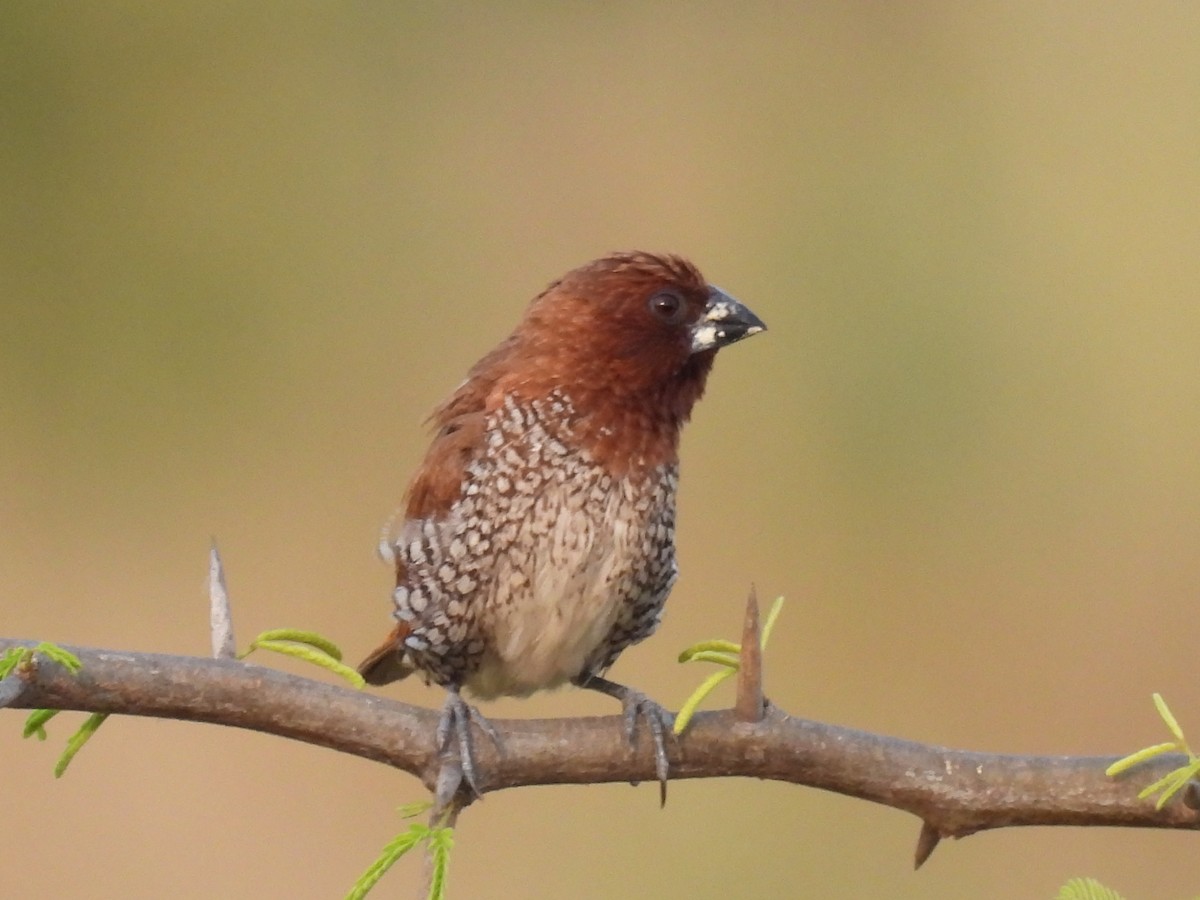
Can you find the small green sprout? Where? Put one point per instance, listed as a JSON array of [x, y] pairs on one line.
[[15, 657], [724, 653], [35, 723], [439, 840], [76, 741], [308, 646], [1174, 781], [1086, 889]]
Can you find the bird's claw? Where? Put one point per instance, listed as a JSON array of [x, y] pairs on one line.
[[661, 723], [454, 736], [635, 704]]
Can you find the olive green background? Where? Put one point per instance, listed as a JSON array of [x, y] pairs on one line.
[[244, 248]]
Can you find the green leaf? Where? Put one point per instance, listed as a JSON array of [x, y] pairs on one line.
[[77, 740], [326, 646], [1128, 762], [18, 656], [717, 646], [64, 658], [722, 653], [441, 842], [729, 660], [314, 655], [1086, 889], [12, 658], [410, 810], [693, 702], [36, 721], [1170, 784], [776, 609], [1152, 789], [395, 849], [1174, 781], [1172, 724]]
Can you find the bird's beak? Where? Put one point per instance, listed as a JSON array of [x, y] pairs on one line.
[[724, 321]]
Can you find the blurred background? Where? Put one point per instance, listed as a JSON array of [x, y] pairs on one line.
[[245, 248]]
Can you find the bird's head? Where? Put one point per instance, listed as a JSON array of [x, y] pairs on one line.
[[633, 325], [627, 340]]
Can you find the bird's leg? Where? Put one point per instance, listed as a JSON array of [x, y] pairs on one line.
[[454, 735], [635, 703]]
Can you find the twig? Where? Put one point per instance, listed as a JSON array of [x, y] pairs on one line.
[[955, 792]]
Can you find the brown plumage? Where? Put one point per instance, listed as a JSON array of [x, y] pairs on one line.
[[538, 534]]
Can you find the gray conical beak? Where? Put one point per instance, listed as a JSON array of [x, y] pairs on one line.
[[725, 320]]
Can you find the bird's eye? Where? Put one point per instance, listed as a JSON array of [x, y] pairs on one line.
[[668, 306]]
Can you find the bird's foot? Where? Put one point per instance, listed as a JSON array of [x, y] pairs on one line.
[[454, 739], [637, 705]]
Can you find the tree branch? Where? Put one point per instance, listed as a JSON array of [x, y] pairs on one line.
[[953, 792]]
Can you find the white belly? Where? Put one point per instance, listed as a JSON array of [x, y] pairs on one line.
[[559, 591]]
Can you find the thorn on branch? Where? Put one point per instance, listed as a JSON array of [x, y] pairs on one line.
[[749, 706], [220, 614], [926, 843]]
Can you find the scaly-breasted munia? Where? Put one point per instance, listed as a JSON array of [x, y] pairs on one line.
[[538, 539]]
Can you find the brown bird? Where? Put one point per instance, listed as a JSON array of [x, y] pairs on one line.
[[538, 539]]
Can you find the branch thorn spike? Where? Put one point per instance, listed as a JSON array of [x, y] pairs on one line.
[[749, 705], [926, 843], [219, 611]]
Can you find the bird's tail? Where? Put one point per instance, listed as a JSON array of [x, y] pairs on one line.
[[386, 662]]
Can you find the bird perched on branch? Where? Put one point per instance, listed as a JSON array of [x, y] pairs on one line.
[[538, 538]]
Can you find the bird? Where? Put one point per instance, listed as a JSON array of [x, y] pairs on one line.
[[537, 537]]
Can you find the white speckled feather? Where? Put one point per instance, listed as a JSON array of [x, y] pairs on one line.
[[545, 569]]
